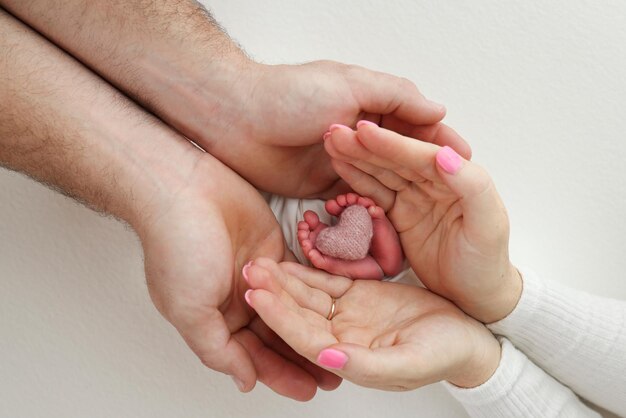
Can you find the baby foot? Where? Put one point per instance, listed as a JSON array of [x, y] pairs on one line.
[[385, 253]]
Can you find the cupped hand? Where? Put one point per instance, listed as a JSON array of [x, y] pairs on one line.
[[452, 223], [271, 133], [194, 246], [382, 335]]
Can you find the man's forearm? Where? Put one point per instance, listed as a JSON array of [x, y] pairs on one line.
[[62, 125], [171, 56]]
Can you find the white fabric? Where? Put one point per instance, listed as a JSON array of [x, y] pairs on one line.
[[578, 338], [519, 388], [290, 211]]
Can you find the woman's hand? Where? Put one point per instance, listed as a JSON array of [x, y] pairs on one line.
[[452, 224], [383, 335]]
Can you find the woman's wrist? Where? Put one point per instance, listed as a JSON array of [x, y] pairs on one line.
[[511, 294], [498, 303], [482, 362], [505, 300]]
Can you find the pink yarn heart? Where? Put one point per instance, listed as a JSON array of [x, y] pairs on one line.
[[350, 238]]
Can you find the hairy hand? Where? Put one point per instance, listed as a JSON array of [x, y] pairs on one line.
[[272, 132], [195, 245]]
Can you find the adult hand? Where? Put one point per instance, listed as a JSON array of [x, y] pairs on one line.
[[452, 224], [274, 138], [195, 244], [265, 122], [198, 221], [383, 335]]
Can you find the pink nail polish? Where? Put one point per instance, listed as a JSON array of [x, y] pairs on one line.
[[244, 271], [333, 359], [247, 296], [365, 123], [326, 136], [449, 160], [338, 126]]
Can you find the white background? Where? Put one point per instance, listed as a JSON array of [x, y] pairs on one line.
[[539, 91]]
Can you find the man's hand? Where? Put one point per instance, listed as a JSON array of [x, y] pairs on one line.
[[198, 221], [265, 122], [274, 140], [195, 246]]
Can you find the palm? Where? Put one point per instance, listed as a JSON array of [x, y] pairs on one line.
[[413, 325], [442, 253], [191, 265], [403, 316], [458, 251], [194, 252]]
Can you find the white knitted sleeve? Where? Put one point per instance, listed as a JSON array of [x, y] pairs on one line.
[[520, 389], [578, 338]]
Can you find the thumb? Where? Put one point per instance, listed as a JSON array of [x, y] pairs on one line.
[[388, 368], [213, 343], [385, 94], [483, 209]]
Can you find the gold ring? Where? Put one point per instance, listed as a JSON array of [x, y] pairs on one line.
[[332, 310]]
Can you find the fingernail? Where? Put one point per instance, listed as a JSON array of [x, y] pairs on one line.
[[326, 136], [244, 271], [436, 105], [247, 296], [365, 123], [333, 359], [239, 383], [338, 126], [449, 160]]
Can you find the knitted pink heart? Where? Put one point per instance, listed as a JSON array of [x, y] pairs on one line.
[[350, 238]]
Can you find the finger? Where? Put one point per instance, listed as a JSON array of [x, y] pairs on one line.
[[395, 179], [364, 154], [385, 94], [261, 279], [275, 371], [333, 152], [334, 286], [343, 144], [325, 379], [212, 342], [395, 151], [364, 184], [304, 337], [483, 209], [438, 134], [389, 368], [266, 274]]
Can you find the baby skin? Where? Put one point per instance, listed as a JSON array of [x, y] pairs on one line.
[[382, 258]]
